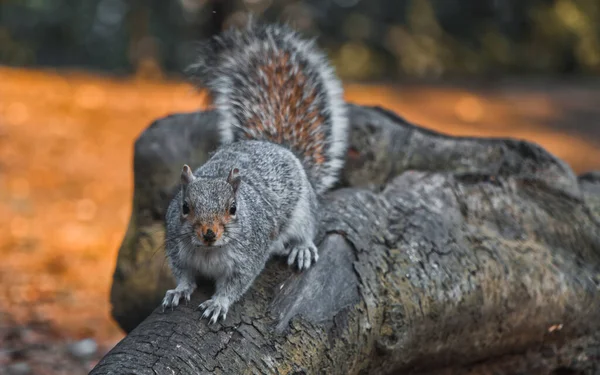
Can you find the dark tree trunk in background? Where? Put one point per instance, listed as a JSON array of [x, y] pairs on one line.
[[438, 255]]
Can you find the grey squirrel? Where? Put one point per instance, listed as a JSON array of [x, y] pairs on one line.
[[283, 127]]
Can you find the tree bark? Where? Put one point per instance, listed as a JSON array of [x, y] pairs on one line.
[[438, 255]]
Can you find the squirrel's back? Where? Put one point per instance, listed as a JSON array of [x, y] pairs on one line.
[[270, 84]]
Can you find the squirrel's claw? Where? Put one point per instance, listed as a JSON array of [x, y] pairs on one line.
[[173, 296], [292, 256], [214, 309], [215, 316], [303, 260]]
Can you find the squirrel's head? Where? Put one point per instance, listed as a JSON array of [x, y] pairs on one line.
[[208, 207]]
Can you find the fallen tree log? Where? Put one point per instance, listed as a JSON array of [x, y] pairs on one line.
[[437, 254]]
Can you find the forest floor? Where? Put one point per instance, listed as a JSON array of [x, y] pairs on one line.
[[66, 146]]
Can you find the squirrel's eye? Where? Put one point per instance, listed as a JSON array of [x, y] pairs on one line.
[[232, 209], [185, 208]]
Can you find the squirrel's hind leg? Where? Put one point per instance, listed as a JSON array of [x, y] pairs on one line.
[[303, 255], [301, 252]]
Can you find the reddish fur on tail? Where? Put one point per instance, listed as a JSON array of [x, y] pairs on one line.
[[270, 84]]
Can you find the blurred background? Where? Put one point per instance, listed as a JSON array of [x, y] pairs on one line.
[[374, 40], [80, 79]]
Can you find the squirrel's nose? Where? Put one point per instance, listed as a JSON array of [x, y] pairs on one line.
[[209, 236]]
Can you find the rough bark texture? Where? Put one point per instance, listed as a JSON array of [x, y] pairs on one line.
[[438, 255]]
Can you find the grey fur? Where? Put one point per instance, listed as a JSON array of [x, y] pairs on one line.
[[276, 201]]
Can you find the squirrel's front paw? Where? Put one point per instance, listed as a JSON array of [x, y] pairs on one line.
[[173, 296], [214, 309], [303, 255]]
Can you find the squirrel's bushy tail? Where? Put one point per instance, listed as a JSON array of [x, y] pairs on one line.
[[270, 84]]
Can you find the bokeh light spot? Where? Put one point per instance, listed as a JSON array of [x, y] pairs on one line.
[[469, 109], [19, 227], [16, 113]]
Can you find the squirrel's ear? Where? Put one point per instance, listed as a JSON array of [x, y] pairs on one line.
[[186, 175], [234, 179]]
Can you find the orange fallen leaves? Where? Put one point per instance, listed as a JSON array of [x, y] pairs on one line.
[[65, 161]]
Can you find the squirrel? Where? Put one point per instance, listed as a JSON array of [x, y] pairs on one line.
[[283, 128]]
